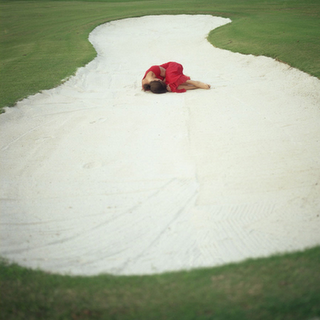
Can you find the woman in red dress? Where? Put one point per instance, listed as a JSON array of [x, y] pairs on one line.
[[169, 77]]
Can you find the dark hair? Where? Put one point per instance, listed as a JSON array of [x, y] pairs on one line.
[[146, 87], [158, 87]]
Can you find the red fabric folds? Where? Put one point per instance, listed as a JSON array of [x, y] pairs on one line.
[[156, 70], [175, 76]]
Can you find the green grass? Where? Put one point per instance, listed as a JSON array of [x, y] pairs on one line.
[[43, 42], [280, 287], [289, 34]]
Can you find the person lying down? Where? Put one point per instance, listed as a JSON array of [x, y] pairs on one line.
[[169, 77]]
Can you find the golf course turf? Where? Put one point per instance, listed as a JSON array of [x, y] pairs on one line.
[[44, 42]]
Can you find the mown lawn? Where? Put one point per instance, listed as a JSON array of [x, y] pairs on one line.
[[280, 287], [42, 43]]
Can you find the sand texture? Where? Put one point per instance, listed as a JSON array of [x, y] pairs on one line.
[[98, 176]]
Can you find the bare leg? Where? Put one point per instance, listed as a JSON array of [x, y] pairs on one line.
[[198, 84], [191, 84], [187, 86]]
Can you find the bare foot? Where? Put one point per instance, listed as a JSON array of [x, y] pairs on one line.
[[205, 86], [198, 84]]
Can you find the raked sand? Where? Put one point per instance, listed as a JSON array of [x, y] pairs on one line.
[[98, 176]]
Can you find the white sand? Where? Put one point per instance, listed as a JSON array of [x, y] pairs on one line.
[[100, 177]]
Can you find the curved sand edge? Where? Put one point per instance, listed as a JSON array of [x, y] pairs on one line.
[[100, 177]]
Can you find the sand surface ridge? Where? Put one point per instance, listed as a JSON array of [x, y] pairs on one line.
[[98, 176]]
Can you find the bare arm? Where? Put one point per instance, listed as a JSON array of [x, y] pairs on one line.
[[149, 76]]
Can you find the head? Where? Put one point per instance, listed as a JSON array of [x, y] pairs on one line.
[[157, 86]]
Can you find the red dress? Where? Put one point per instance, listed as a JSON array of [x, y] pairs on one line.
[[156, 70], [175, 76]]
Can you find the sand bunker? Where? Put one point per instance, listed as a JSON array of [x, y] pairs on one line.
[[100, 177]]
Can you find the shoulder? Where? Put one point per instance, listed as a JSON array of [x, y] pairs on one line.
[[154, 69]]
